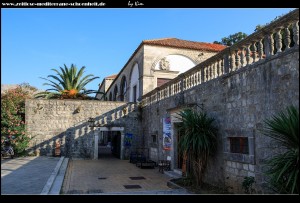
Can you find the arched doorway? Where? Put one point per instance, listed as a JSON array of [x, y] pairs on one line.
[[134, 84]]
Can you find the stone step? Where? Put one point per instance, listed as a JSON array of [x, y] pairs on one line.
[[172, 174]]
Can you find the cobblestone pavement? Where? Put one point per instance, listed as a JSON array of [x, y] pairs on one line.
[[111, 175], [26, 175]]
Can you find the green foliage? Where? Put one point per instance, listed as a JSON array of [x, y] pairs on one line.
[[232, 39], [68, 84], [247, 184], [284, 167], [199, 140], [13, 117]]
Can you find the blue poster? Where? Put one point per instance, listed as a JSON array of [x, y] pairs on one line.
[[128, 140], [167, 133]]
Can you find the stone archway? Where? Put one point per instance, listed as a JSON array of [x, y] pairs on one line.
[[104, 129]]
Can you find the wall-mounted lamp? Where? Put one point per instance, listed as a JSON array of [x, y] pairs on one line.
[[92, 124]]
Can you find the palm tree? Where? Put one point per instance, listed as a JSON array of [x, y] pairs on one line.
[[284, 167], [68, 84], [199, 140]]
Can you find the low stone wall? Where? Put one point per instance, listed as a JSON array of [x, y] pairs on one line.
[[49, 121]]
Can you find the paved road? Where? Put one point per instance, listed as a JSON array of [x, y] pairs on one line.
[[112, 176], [26, 175]]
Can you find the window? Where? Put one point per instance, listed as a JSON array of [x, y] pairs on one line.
[[110, 96], [134, 93], [115, 97], [123, 89], [154, 138], [239, 145]]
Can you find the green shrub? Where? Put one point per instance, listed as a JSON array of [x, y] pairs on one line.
[[284, 166]]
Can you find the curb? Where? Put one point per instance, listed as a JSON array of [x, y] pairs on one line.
[[176, 187], [52, 177]]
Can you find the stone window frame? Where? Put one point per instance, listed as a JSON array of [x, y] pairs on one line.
[[239, 157]]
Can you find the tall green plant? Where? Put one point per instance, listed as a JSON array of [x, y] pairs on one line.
[[13, 117], [69, 83], [284, 167], [199, 140]]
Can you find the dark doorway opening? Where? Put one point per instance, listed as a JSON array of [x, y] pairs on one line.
[[179, 133], [109, 144]]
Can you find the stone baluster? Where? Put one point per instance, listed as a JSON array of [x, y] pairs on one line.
[[242, 56], [196, 78], [226, 64], [208, 72], [232, 62], [278, 41], [199, 77], [180, 86], [260, 49], [269, 45], [237, 59], [221, 70], [205, 74], [296, 33], [216, 68], [287, 39], [193, 80], [211, 68], [248, 53], [254, 51], [174, 88]]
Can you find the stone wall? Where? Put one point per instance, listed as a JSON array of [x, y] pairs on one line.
[[240, 87], [66, 121], [239, 101]]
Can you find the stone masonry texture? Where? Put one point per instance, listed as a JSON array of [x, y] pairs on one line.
[[49, 121], [239, 101]]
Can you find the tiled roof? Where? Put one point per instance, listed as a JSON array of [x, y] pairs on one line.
[[111, 76], [179, 43]]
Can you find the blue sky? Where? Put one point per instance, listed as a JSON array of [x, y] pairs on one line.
[[33, 41]]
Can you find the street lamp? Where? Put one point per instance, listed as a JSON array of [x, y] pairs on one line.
[[92, 124]]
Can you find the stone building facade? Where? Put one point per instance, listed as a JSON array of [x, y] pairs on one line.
[[240, 87], [153, 63], [240, 90]]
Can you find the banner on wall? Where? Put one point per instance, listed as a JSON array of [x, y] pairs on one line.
[[167, 133], [128, 140]]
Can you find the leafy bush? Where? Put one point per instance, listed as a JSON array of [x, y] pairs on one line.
[[199, 140], [284, 167], [247, 184], [13, 117]]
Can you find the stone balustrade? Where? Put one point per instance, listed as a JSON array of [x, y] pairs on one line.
[[274, 39]]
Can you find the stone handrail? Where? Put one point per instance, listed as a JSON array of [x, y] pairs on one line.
[[273, 39]]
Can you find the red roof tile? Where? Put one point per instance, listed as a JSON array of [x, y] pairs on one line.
[[179, 43]]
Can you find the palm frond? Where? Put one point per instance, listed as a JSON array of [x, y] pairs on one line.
[[284, 168]]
